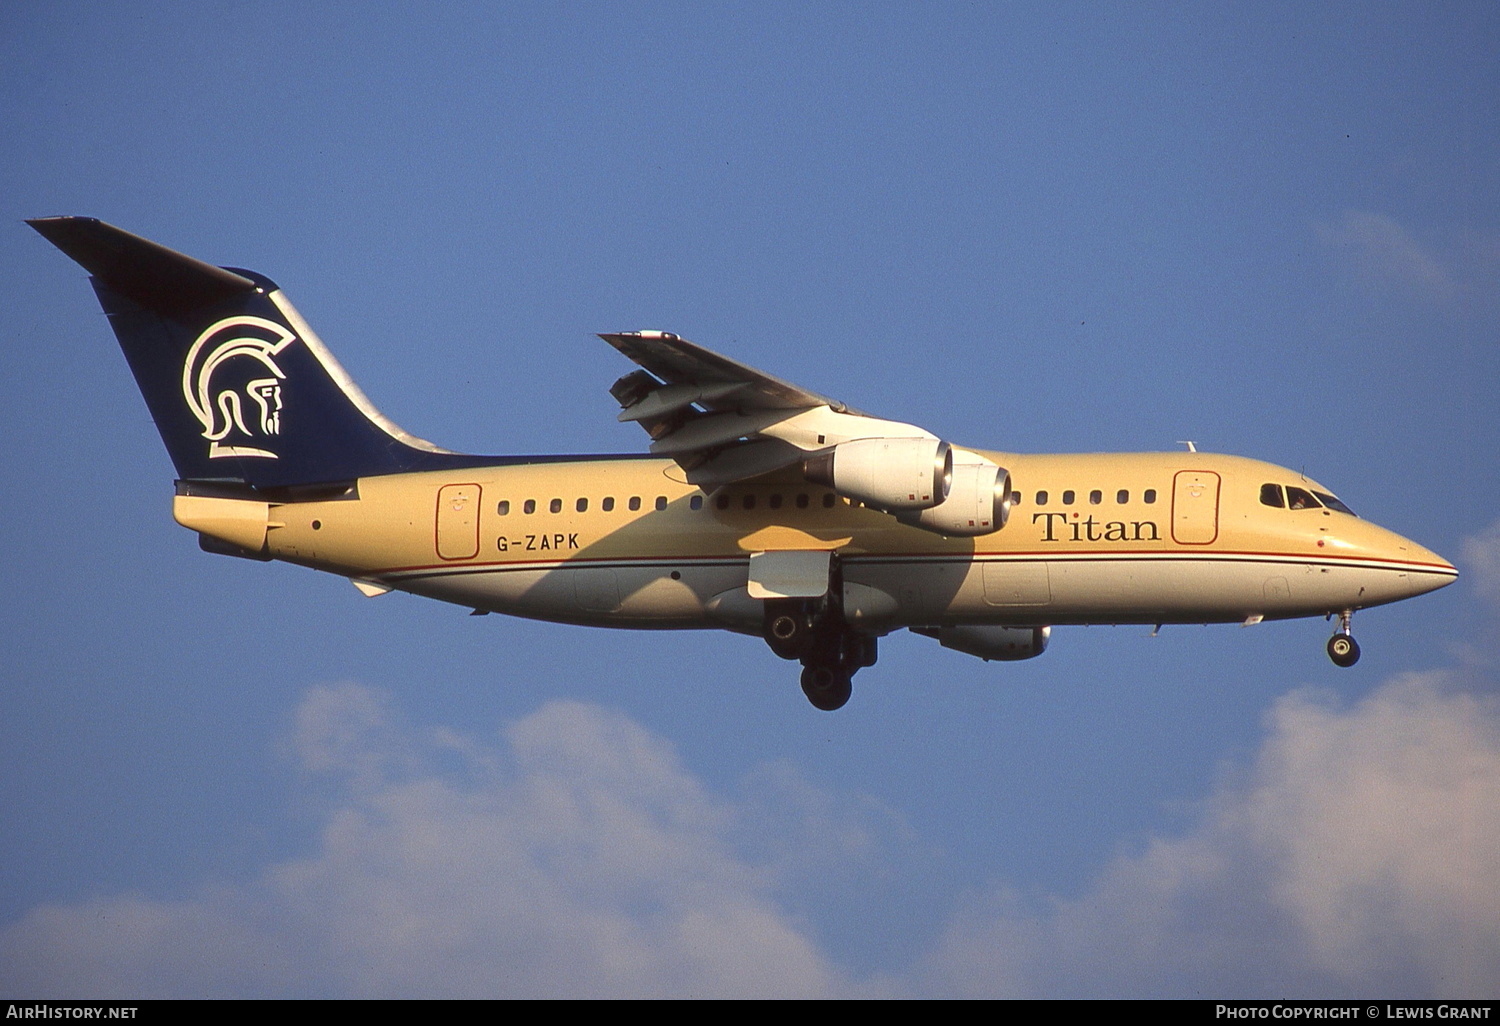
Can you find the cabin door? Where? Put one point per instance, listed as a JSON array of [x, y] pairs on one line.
[[458, 521], [1195, 507]]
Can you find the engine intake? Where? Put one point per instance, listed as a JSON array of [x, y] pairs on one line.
[[978, 503]]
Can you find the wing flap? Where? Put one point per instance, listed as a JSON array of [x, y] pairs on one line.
[[723, 421], [715, 430], [669, 400]]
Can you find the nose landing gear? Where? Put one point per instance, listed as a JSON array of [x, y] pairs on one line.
[[1342, 648]]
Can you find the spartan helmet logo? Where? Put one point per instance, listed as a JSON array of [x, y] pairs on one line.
[[233, 386]]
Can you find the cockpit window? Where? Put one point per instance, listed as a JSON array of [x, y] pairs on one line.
[[1300, 498], [1332, 502]]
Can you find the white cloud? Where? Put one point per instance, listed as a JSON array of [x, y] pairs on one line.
[[1359, 854], [1380, 253], [578, 858]]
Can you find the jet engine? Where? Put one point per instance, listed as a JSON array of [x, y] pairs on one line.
[[978, 503], [1008, 644], [886, 473]]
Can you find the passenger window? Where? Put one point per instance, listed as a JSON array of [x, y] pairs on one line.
[[1270, 495], [1299, 498], [722, 501], [661, 503], [748, 501], [1122, 496], [1148, 496], [555, 505], [828, 501], [801, 500], [635, 503], [504, 508], [1015, 498], [775, 500], [582, 505], [696, 502], [608, 504], [529, 506], [1095, 497], [1068, 497], [1041, 498]]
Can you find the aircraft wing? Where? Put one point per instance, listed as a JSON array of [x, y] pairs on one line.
[[723, 421], [676, 361]]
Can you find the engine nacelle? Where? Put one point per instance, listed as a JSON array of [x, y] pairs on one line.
[[978, 503], [1004, 643], [886, 473]]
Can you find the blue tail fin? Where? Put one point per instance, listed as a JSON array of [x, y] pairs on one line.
[[239, 386]]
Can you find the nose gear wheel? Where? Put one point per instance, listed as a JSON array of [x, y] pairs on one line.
[[1342, 648]]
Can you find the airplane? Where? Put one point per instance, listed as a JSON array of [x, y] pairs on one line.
[[759, 507]]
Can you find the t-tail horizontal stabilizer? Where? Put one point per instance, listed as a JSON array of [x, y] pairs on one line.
[[240, 387]]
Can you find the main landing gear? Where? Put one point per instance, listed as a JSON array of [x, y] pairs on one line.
[[814, 632], [1342, 648], [830, 666]]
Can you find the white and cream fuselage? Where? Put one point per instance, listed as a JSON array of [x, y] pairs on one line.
[[762, 507], [627, 542]]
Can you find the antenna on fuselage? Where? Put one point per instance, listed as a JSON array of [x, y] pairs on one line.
[[1192, 447]]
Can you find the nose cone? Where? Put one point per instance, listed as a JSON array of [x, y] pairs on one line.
[[1426, 570], [1390, 567]]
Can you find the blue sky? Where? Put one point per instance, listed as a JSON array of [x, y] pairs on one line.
[[1272, 229]]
